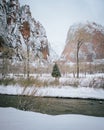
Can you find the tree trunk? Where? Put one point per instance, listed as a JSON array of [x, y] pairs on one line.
[[28, 67], [4, 65], [24, 67], [77, 61], [78, 47]]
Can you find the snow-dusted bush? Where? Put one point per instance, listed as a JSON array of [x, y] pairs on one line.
[[95, 82]]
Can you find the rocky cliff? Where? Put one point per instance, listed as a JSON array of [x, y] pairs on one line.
[[20, 32], [91, 37]]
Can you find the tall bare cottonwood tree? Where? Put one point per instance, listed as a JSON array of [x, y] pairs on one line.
[[26, 34], [81, 36]]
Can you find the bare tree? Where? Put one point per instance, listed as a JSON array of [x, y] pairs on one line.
[[28, 61], [4, 64], [25, 30], [78, 47], [81, 36], [6, 56]]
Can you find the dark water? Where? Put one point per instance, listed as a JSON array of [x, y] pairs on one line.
[[54, 106]]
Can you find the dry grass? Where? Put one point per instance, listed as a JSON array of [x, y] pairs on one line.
[[28, 83], [8, 81], [96, 82]]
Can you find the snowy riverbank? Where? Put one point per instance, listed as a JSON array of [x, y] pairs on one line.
[[65, 91], [13, 119], [90, 87]]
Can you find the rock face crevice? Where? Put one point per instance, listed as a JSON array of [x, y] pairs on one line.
[[18, 28], [92, 37]]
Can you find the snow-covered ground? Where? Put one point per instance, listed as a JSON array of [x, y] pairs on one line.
[[13, 119], [90, 87], [65, 91]]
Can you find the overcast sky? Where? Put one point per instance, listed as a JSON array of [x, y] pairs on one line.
[[58, 15]]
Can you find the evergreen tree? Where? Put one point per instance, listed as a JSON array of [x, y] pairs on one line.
[[56, 73]]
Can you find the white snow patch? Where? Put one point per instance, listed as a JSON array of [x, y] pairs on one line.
[[65, 91], [13, 119]]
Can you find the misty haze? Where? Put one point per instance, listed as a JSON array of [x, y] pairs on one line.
[[51, 65]]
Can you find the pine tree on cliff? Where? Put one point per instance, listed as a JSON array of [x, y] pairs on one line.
[[56, 72]]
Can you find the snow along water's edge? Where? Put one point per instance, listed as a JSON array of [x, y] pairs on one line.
[[66, 91], [13, 119]]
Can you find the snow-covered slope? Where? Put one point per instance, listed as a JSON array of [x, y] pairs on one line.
[[92, 37], [11, 119], [53, 56]]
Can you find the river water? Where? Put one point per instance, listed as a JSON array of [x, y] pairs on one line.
[[54, 106]]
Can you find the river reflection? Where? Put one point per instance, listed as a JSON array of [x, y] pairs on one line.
[[54, 106]]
